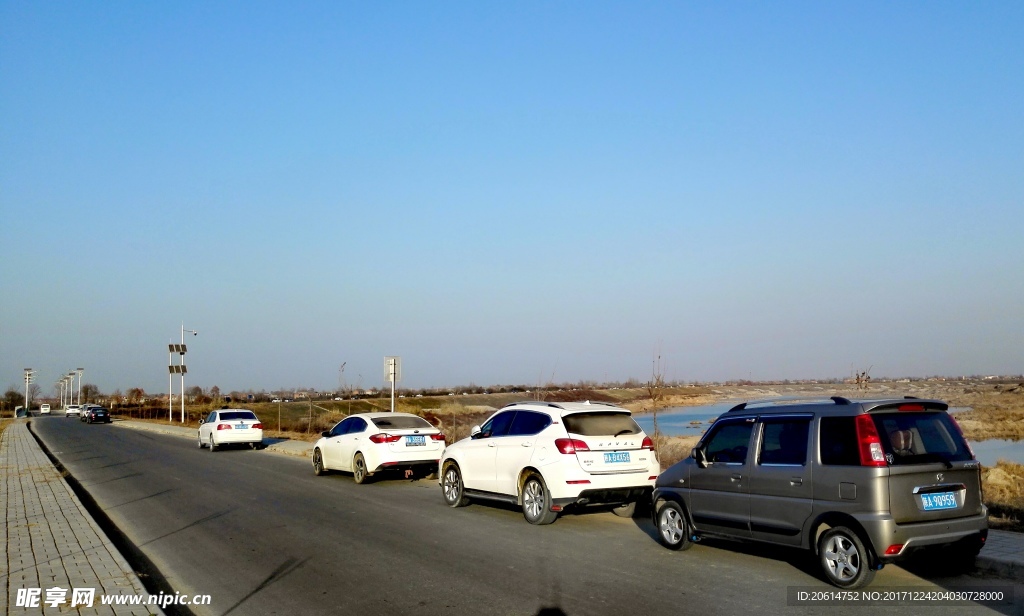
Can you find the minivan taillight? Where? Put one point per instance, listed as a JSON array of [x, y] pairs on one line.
[[385, 438], [870, 444], [570, 445]]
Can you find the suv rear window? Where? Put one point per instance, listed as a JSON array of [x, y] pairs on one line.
[[917, 438], [401, 423], [600, 424]]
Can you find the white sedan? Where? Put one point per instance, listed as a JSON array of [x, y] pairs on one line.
[[367, 443], [230, 427]]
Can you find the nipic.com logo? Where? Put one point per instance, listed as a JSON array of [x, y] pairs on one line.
[[58, 597]]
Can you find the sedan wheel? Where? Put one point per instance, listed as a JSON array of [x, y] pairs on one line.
[[359, 469], [318, 463], [200, 440], [213, 446], [452, 488], [537, 502]]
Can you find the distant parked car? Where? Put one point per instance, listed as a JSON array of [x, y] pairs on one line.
[[44, 409], [84, 411], [97, 414], [368, 443], [72, 410], [546, 457], [230, 427], [276, 400]]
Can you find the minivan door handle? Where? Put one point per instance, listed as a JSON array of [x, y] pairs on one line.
[[796, 481], [736, 477]]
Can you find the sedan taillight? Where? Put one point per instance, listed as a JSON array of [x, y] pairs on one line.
[[223, 426], [258, 426], [437, 437], [385, 438]]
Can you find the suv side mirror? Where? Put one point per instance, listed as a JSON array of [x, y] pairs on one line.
[[698, 454], [474, 432]]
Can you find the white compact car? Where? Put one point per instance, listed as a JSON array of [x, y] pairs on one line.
[[546, 456], [44, 409], [367, 443], [72, 410], [230, 427]]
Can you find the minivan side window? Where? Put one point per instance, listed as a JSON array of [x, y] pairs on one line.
[[784, 441], [838, 441], [729, 443]]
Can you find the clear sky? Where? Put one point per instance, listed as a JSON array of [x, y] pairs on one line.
[[510, 193]]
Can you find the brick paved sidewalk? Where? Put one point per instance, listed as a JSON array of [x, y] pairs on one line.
[[51, 541]]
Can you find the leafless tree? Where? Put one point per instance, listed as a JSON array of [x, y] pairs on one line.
[[656, 390]]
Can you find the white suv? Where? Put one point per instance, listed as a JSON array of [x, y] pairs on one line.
[[548, 456], [72, 410]]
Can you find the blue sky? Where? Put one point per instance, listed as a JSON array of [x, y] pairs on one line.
[[510, 194]]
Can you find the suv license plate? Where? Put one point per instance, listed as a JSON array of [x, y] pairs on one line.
[[617, 456], [415, 441], [938, 501]]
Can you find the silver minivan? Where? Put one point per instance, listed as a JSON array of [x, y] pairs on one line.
[[862, 483]]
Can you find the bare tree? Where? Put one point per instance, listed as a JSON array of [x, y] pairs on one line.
[[90, 393], [656, 390]]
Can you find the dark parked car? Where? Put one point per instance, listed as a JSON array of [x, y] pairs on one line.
[[96, 414], [861, 483]]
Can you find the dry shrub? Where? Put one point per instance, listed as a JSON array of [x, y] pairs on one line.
[[1004, 491], [672, 449]]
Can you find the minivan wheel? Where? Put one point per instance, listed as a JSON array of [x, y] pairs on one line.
[[537, 502], [844, 559], [452, 487], [673, 529]]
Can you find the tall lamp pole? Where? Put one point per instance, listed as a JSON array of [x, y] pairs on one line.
[[194, 333], [80, 372]]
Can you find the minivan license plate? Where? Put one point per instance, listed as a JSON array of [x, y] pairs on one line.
[[417, 440], [941, 500], [617, 456]]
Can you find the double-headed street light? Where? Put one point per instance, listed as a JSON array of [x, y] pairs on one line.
[[80, 372], [172, 369], [30, 376]]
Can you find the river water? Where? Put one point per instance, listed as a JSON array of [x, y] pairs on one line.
[[694, 420]]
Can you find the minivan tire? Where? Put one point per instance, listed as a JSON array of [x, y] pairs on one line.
[[673, 530], [844, 559]]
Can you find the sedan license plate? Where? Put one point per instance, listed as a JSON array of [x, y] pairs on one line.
[[938, 501], [616, 456], [415, 441], [241, 426]]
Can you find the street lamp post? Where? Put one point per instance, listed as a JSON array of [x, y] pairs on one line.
[[71, 388], [80, 372], [29, 377], [194, 333]]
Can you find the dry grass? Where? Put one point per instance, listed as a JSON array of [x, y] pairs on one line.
[[996, 412], [1004, 494], [4, 423], [672, 449]]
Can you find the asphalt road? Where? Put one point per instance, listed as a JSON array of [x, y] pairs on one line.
[[262, 535]]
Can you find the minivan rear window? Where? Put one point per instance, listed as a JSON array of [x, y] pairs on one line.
[[600, 424], [918, 438]]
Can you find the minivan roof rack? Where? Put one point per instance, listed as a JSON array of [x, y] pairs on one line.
[[839, 400]]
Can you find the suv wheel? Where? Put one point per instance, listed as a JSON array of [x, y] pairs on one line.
[[537, 502], [452, 487], [844, 559], [673, 529], [625, 511]]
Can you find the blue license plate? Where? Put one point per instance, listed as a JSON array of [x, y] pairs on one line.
[[938, 501], [415, 441], [615, 457], [241, 426]]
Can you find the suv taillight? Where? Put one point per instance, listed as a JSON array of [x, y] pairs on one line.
[[570, 445], [385, 438], [870, 444], [647, 444]]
